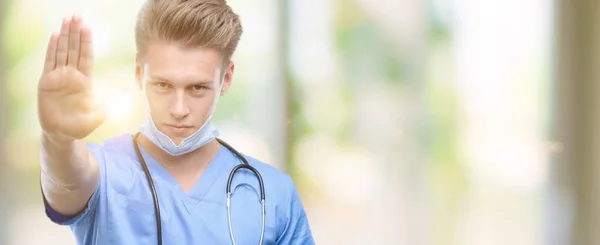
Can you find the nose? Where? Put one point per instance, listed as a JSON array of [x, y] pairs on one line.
[[180, 110]]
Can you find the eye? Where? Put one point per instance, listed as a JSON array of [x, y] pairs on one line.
[[198, 88], [162, 85]]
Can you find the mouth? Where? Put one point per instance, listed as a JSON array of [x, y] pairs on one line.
[[178, 128]]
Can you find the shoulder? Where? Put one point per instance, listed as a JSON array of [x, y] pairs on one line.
[[116, 156], [117, 146], [294, 227], [275, 179]]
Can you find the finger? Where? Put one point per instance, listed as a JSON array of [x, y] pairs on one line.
[[74, 37], [63, 43], [86, 59], [50, 61]]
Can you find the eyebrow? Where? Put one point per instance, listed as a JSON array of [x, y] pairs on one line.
[[200, 82]]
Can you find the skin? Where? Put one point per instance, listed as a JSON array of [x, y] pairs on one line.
[[180, 85]]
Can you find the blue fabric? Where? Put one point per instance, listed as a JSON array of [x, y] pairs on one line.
[[121, 210]]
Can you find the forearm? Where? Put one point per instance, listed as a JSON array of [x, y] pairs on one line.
[[69, 173]]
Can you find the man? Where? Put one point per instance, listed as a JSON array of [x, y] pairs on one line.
[[182, 66]]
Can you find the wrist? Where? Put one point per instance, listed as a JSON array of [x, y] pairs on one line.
[[56, 140]]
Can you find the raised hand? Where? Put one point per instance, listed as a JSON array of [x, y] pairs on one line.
[[66, 105]]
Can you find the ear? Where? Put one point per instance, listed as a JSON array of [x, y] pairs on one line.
[[138, 71], [228, 77]]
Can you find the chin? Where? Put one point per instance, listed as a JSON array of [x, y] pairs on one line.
[[176, 139]]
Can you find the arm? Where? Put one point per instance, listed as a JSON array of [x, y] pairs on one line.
[[296, 230], [70, 174], [67, 113]]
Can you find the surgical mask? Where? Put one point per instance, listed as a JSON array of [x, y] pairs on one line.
[[198, 139], [201, 137]]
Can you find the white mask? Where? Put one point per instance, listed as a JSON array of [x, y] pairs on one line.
[[201, 137], [198, 139]]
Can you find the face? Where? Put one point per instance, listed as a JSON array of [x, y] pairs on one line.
[[181, 85]]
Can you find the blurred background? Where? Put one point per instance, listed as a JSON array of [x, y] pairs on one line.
[[454, 122]]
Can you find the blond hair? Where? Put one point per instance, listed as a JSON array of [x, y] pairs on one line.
[[189, 23]]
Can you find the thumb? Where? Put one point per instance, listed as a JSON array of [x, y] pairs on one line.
[[87, 122], [95, 111], [98, 115]]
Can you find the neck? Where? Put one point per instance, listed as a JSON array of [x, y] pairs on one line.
[[189, 162]]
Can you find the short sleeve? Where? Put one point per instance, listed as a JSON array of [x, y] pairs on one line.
[[296, 229], [58, 218]]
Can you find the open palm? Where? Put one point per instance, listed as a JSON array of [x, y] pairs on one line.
[[66, 105]]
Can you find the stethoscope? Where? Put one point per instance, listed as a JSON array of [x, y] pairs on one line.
[[244, 164]]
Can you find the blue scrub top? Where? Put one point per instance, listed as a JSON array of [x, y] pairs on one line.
[[121, 210]]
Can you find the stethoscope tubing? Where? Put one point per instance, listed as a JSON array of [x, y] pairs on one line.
[[243, 165]]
